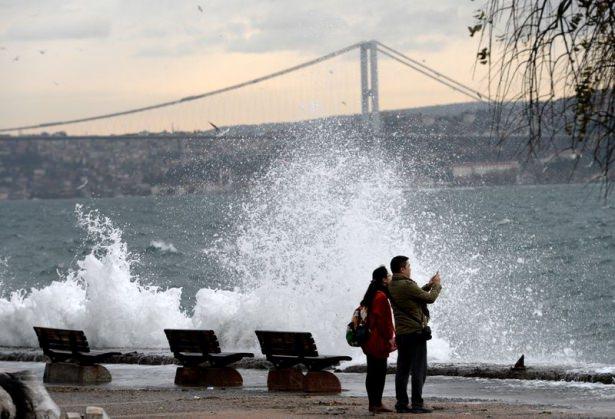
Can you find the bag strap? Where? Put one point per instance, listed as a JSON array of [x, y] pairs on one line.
[[412, 316]]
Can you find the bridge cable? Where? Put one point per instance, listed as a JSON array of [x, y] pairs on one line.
[[191, 98], [468, 91], [431, 76]]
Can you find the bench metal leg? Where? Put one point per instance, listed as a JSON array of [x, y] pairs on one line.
[[208, 376], [285, 379], [69, 373], [321, 382]]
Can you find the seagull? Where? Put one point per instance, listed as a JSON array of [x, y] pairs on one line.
[[200, 8], [85, 182], [219, 132]]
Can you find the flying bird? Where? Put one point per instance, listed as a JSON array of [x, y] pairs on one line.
[[42, 52], [56, 83], [219, 132], [200, 8], [85, 182], [2, 48], [16, 58], [343, 103]]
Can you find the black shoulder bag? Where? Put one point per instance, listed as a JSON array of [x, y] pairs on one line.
[[425, 331]]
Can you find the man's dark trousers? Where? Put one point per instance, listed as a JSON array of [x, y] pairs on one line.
[[411, 360]]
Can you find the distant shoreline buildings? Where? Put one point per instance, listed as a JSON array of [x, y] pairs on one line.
[[447, 148]]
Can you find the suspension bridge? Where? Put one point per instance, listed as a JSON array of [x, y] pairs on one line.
[[155, 120]]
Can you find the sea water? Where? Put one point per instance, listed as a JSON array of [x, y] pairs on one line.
[[525, 269]]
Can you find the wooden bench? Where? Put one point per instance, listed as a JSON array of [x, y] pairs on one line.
[[71, 360], [203, 364], [287, 350]]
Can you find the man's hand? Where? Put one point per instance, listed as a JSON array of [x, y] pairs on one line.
[[435, 279]]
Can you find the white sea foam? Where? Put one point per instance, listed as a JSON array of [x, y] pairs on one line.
[[304, 246], [100, 296], [162, 246]]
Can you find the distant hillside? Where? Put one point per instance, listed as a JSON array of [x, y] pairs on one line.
[[436, 145]]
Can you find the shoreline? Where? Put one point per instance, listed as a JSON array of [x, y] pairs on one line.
[[215, 189], [469, 370]]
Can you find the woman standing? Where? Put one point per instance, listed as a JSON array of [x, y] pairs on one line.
[[381, 339]]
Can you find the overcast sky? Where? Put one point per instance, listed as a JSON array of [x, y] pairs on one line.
[[61, 59]]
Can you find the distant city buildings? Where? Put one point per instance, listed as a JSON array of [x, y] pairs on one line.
[[439, 148]]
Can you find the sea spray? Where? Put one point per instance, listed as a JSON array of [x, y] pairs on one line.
[[59, 304], [161, 246], [100, 296], [122, 311], [315, 225], [303, 247]]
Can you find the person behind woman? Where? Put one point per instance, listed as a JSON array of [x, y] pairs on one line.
[[381, 339]]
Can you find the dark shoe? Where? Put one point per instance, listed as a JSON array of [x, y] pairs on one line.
[[403, 409], [420, 410]]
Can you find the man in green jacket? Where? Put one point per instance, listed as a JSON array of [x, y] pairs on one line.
[[409, 302]]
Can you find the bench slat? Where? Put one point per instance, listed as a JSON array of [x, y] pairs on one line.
[[287, 343], [194, 347], [287, 349], [62, 345], [193, 341], [62, 339]]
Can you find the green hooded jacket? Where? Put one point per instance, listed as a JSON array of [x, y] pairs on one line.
[[405, 293]]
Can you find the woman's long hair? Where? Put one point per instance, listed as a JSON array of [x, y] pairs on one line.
[[377, 284]]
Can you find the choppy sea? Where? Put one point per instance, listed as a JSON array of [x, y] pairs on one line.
[[525, 269]]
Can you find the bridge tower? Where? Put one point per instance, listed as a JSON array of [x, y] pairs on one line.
[[369, 85]]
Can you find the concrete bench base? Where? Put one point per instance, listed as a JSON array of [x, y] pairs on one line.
[[208, 377], [68, 373], [321, 382], [285, 379], [292, 379]]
